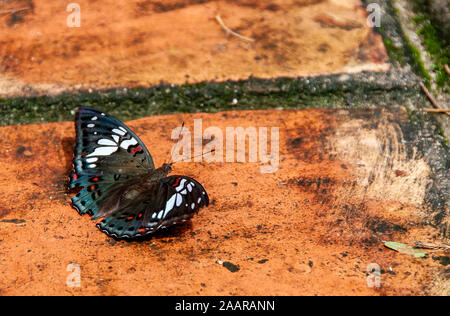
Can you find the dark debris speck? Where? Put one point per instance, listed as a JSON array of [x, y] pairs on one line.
[[444, 260], [230, 266], [13, 221]]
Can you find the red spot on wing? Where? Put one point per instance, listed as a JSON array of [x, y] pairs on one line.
[[135, 150], [141, 230], [177, 181], [75, 176], [95, 179]]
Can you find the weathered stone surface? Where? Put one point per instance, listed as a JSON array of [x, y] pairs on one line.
[[141, 43], [347, 180]]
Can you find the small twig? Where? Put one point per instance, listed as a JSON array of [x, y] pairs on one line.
[[447, 69], [12, 11], [431, 98], [425, 245], [437, 110], [231, 32]]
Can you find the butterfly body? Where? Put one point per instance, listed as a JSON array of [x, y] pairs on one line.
[[120, 184]]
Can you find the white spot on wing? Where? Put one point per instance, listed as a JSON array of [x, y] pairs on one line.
[[179, 199], [192, 205], [116, 138], [92, 166], [118, 131], [127, 143], [102, 151], [199, 200], [106, 142], [90, 125], [160, 214], [183, 192], [181, 185], [91, 159], [169, 204], [94, 118]]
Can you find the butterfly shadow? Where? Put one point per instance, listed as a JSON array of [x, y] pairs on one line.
[[175, 231], [67, 144]]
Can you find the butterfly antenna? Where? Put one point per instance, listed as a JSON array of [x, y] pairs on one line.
[[208, 152], [173, 148]]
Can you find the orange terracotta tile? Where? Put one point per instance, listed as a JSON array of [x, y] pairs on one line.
[[312, 227], [141, 43]]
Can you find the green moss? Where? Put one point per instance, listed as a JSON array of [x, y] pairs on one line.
[[394, 52], [418, 63], [440, 131], [435, 46], [438, 54], [319, 92], [405, 54]]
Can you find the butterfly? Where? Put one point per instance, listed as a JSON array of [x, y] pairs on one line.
[[119, 182]]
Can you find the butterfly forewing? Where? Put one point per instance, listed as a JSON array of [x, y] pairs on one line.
[[106, 153]]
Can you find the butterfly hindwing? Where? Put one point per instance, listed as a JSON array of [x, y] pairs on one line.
[[172, 200], [185, 196], [106, 153]]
